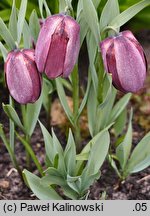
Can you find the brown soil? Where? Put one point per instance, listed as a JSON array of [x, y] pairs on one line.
[[136, 186]]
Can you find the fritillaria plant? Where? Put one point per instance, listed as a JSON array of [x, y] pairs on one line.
[[116, 61]]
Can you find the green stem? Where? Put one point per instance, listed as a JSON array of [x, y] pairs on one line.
[[108, 28], [27, 137], [10, 151], [49, 112], [69, 10], [75, 84], [100, 72], [11, 128], [23, 110], [28, 158], [31, 153]]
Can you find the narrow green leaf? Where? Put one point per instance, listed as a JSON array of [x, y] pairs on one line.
[[62, 6], [47, 90], [42, 4], [11, 127], [120, 122], [124, 148], [6, 35], [97, 154], [21, 19], [59, 151], [70, 193], [42, 191], [87, 181], [83, 27], [32, 115], [126, 15], [26, 36], [79, 8], [67, 84], [70, 154], [3, 51], [31, 152], [48, 13], [142, 165], [63, 100], [140, 157], [92, 20], [119, 107], [114, 166], [96, 139], [91, 110], [12, 114], [56, 143], [41, 7], [48, 141], [9, 149], [53, 177], [94, 77], [34, 25], [82, 156], [13, 21], [96, 3], [113, 7], [107, 92], [68, 3], [84, 100], [92, 47], [105, 110], [73, 183]]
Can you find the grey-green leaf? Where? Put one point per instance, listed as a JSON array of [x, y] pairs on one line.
[[92, 20], [106, 17], [98, 153], [6, 35], [41, 190], [59, 151], [3, 51], [32, 115], [13, 21], [84, 101], [126, 15], [120, 122], [21, 19], [70, 155], [102, 141], [53, 177], [124, 148], [83, 27], [119, 107], [34, 25], [47, 90], [41, 4], [91, 110], [26, 36], [96, 3], [62, 5], [48, 143], [12, 114], [140, 157], [62, 97]]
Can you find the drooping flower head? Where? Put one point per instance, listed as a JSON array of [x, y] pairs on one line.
[[57, 46], [124, 58], [22, 77]]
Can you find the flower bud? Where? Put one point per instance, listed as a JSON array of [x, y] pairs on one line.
[[124, 58], [22, 77], [57, 46]]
